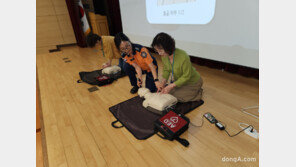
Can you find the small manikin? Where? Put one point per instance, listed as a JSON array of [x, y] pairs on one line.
[[111, 70]]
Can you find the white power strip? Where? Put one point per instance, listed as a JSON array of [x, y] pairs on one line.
[[253, 134]]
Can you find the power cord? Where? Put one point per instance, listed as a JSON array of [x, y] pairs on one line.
[[247, 108], [222, 126], [253, 131], [239, 131]]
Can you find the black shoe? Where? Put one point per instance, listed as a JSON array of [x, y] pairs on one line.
[[134, 90]]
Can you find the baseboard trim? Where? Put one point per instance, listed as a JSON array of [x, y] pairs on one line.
[[232, 68], [59, 47]]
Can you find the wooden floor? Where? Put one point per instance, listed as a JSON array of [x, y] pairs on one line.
[[39, 154], [77, 123]]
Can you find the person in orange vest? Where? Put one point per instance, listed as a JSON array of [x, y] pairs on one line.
[[107, 45], [138, 61]]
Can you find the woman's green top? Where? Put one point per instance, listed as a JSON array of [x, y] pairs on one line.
[[184, 72]]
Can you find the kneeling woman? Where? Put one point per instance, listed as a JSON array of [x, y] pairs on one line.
[[186, 83], [138, 61]]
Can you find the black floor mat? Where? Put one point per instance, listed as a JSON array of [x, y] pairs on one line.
[[138, 120], [90, 77]]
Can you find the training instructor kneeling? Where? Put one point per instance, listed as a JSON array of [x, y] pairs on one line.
[[186, 83]]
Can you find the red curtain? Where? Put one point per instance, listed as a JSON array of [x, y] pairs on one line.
[[73, 10]]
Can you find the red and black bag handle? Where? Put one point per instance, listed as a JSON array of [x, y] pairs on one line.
[[184, 142], [114, 126]]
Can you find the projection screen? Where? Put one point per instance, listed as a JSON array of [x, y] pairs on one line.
[[221, 30]]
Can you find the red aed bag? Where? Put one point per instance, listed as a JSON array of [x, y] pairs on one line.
[[171, 126]]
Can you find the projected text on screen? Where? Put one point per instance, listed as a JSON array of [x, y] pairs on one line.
[[180, 11]]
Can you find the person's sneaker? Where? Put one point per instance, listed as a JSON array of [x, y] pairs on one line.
[[134, 90]]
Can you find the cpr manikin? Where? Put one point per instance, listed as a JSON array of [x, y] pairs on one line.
[[111, 70], [158, 102]]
